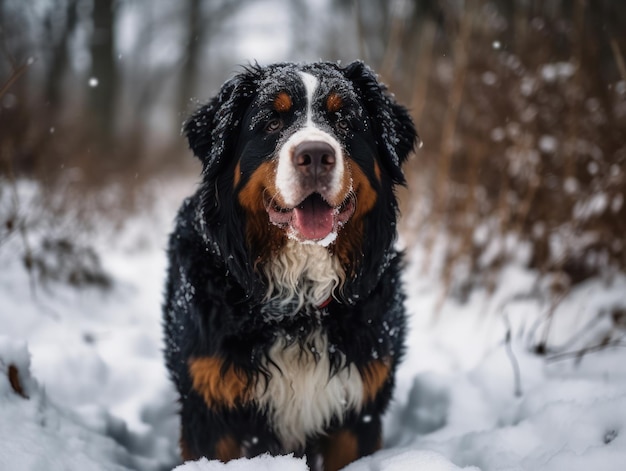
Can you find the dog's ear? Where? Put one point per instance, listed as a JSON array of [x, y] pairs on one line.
[[212, 129], [392, 122]]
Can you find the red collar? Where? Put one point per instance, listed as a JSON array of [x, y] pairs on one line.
[[325, 303]]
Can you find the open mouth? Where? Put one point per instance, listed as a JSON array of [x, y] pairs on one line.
[[313, 219]]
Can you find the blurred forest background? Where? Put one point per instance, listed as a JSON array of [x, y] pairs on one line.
[[521, 105]]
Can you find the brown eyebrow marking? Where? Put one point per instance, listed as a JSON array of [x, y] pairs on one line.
[[282, 102], [333, 102]]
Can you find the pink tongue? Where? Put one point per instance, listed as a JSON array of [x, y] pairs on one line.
[[313, 219]]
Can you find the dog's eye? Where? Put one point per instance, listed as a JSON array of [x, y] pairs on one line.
[[273, 125], [343, 124]]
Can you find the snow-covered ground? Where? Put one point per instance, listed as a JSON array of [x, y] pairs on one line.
[[93, 393]]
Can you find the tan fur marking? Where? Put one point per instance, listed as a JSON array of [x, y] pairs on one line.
[[261, 235], [333, 102], [227, 449], [282, 102], [185, 451], [218, 388], [347, 246], [237, 175], [377, 171], [374, 377], [366, 195], [251, 195], [339, 450]]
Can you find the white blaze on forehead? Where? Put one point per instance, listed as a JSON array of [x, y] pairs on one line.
[[310, 85], [286, 173]]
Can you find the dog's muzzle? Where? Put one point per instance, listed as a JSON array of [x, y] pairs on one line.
[[314, 201]]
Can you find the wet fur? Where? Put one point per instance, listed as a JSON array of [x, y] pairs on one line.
[[242, 296]]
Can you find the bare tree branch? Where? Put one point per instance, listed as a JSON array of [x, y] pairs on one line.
[[17, 73]]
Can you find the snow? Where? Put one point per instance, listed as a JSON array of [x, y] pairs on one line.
[[558, 70], [548, 144], [95, 393], [260, 463]]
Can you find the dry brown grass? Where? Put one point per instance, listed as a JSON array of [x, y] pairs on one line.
[[524, 123]]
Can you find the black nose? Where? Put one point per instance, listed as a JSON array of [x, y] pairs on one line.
[[314, 158]]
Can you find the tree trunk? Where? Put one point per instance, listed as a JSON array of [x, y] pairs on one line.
[[60, 59], [195, 40], [103, 80]]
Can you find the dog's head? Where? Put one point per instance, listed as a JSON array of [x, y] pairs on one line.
[[308, 153]]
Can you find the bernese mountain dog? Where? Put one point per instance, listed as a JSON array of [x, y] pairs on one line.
[[283, 318]]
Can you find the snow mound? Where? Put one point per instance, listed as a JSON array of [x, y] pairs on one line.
[[99, 398], [405, 460], [260, 463], [36, 434]]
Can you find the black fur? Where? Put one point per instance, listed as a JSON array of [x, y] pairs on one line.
[[214, 296]]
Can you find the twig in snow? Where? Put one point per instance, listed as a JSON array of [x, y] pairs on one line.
[[579, 354], [14, 378], [517, 376], [542, 347]]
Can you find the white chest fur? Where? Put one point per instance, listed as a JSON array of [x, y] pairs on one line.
[[301, 397], [301, 275]]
